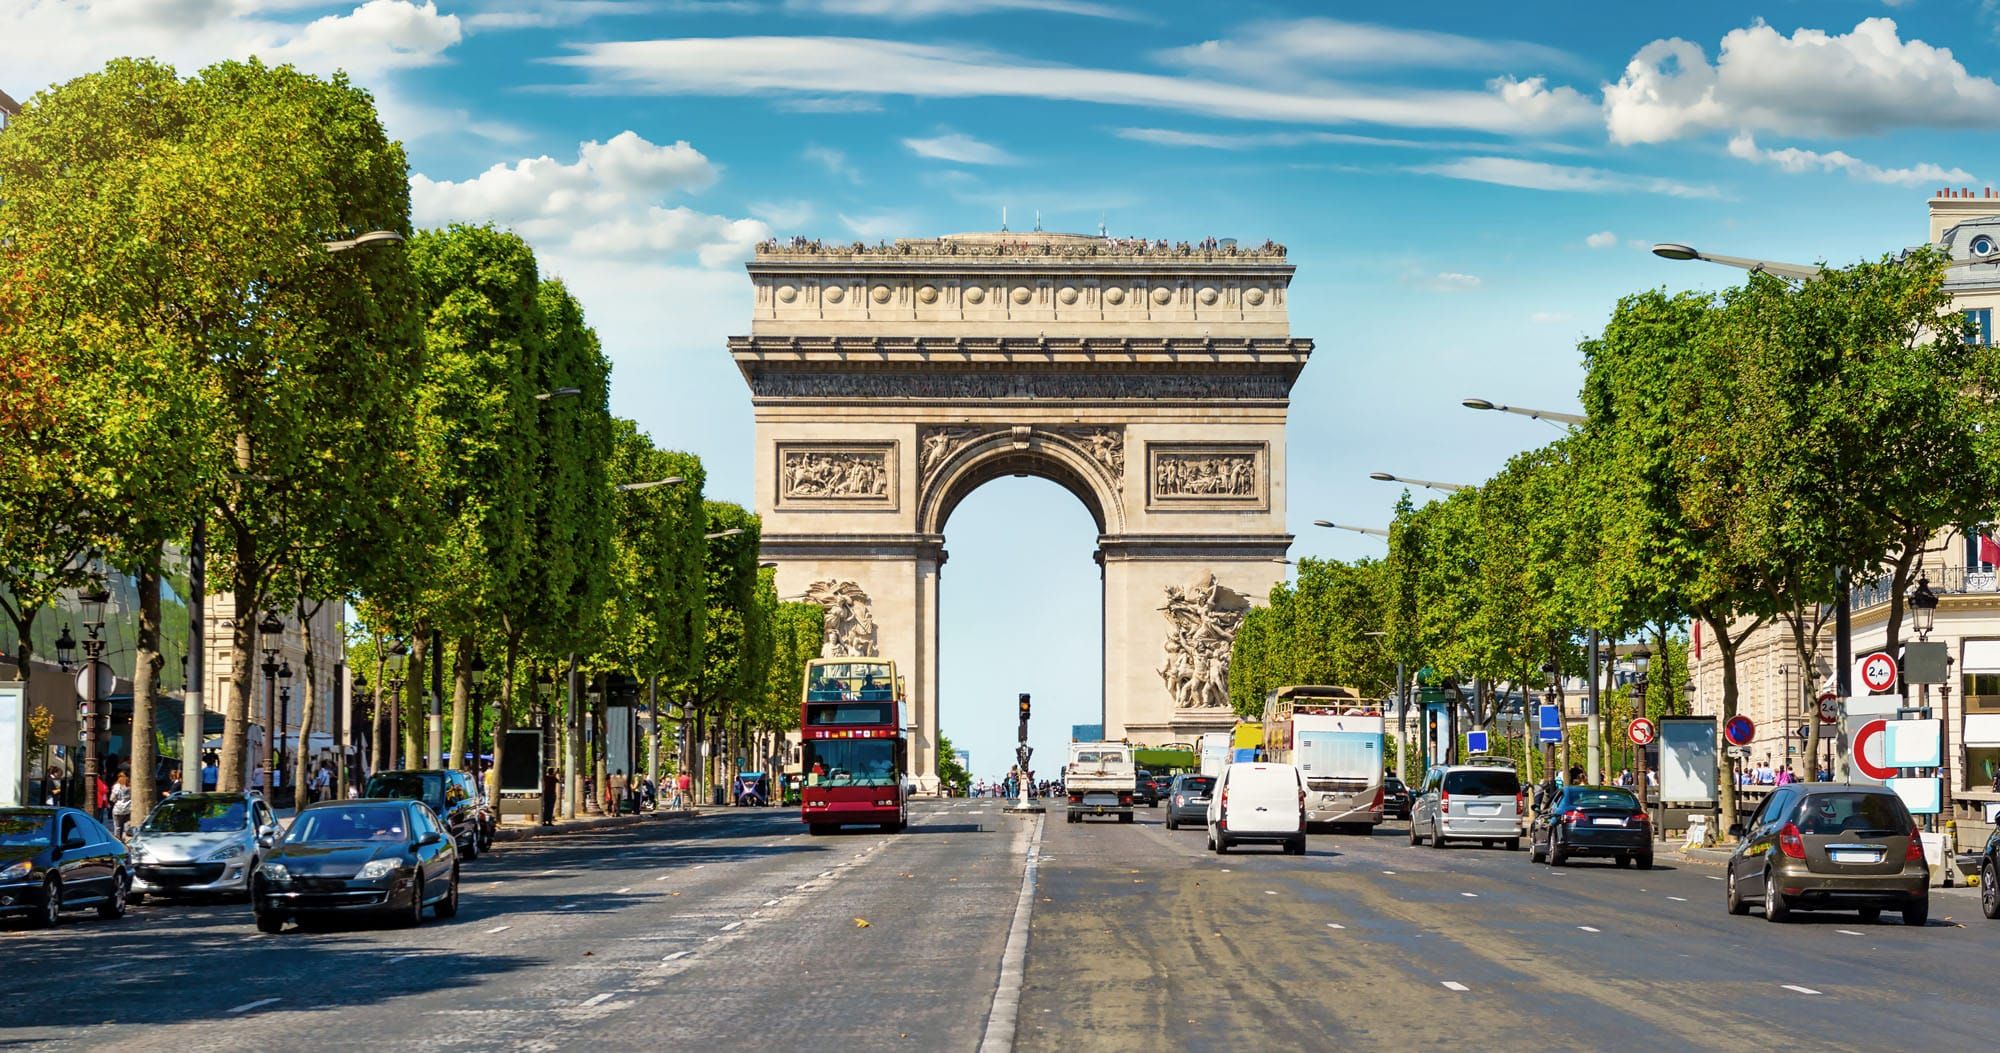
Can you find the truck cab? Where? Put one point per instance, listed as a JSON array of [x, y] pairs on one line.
[[1099, 779]]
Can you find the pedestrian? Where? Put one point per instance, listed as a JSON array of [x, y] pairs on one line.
[[1576, 775], [683, 787], [121, 805], [322, 783], [209, 773], [174, 780], [614, 792], [52, 790], [103, 810]]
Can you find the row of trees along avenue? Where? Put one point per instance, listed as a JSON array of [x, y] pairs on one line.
[[417, 431], [1742, 452]]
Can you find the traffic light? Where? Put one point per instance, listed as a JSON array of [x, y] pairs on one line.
[[1024, 706]]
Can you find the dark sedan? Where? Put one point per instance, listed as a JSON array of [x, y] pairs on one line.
[[1593, 821], [1145, 789], [453, 796], [1989, 877], [1395, 798], [58, 859], [367, 856], [1187, 801]]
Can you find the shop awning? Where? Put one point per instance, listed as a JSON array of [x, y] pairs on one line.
[[1982, 729]]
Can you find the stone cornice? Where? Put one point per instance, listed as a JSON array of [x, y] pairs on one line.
[[862, 352], [1025, 247]]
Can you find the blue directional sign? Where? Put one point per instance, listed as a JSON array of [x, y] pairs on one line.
[[1550, 724], [1475, 742]]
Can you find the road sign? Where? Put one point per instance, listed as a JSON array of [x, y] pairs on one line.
[[1739, 731], [1475, 742], [1550, 724], [1829, 707], [1642, 731], [1864, 741], [1803, 731], [1878, 672]]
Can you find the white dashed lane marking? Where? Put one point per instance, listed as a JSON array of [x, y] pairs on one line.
[[1847, 932], [259, 1003], [676, 956], [1801, 990], [1335, 925], [1678, 899], [1587, 928], [732, 926], [1470, 895], [597, 999], [1454, 985], [498, 928]]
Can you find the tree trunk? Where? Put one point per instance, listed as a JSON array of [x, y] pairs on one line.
[[379, 746], [598, 726], [308, 707], [24, 648], [461, 699], [242, 666], [412, 711], [503, 718], [146, 688], [1726, 793]]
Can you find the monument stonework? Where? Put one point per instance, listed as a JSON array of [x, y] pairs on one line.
[[1150, 380]]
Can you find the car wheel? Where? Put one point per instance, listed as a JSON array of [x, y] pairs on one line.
[[51, 911], [1557, 857], [1871, 915], [1221, 845], [1733, 896], [1299, 847], [1775, 907], [1918, 913], [471, 849], [1535, 851], [1513, 844], [1989, 892], [1624, 861], [114, 907], [1170, 821], [1413, 833], [1437, 834], [448, 906], [270, 924], [1645, 861], [415, 916]]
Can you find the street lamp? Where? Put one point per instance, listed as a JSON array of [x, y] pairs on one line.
[[373, 237], [269, 629], [1531, 414], [1428, 484], [357, 689], [1923, 607], [93, 602], [1370, 531], [731, 532], [478, 669], [66, 650], [284, 719], [671, 480], [559, 393]]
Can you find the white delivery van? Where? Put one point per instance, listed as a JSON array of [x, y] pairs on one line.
[[1258, 802]]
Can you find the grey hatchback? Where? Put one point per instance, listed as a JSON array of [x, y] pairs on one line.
[[1187, 800], [1830, 846]]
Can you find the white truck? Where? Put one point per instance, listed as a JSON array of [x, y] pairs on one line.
[[1099, 780]]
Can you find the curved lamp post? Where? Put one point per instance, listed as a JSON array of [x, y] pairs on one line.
[[1428, 484]]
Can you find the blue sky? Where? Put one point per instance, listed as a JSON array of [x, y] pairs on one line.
[[1465, 188]]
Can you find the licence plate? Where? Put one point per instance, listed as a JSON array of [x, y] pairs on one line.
[[1855, 856], [1485, 809], [1607, 822]]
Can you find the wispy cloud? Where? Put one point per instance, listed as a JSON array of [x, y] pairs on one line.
[[1442, 281], [1541, 175], [960, 148], [1603, 239], [1793, 159], [913, 10], [1264, 140], [1549, 317], [1282, 49], [833, 160], [876, 226], [821, 66]]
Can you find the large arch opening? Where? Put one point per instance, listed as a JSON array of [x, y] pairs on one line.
[[1021, 608]]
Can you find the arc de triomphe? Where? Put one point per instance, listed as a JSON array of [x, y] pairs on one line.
[[1151, 381]]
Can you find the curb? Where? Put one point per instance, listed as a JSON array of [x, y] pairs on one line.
[[530, 831]]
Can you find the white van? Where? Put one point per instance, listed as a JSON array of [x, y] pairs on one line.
[[1258, 802]]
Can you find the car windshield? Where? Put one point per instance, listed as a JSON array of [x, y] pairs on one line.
[[379, 822], [413, 786], [198, 815], [1482, 783], [1619, 799], [1856, 814], [850, 762], [1099, 757], [30, 830], [1198, 785]]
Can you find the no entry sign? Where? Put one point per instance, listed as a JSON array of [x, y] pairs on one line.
[[1878, 672], [1739, 731], [1642, 731], [1867, 741]]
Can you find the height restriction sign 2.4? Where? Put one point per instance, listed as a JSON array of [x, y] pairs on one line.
[[1878, 672]]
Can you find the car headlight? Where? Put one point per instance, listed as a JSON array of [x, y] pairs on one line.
[[18, 871], [276, 872], [225, 853], [378, 868]]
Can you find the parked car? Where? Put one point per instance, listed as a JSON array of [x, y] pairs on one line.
[[453, 795], [1187, 800], [1161, 784], [1470, 802], [58, 859], [1145, 791], [1830, 846], [1989, 877], [369, 856], [1593, 821], [1395, 798], [1258, 801], [201, 844]]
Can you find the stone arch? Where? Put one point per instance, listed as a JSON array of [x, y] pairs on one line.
[[1021, 451]]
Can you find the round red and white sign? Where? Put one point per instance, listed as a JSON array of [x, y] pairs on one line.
[[1865, 743], [1829, 708], [1878, 672], [1641, 731]]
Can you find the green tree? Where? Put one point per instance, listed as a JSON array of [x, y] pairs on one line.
[[736, 635], [950, 772]]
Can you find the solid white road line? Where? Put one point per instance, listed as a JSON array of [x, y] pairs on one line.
[[1391, 873], [403, 958], [1335, 925], [1678, 899], [676, 956], [1587, 928], [1005, 1015], [1711, 877], [596, 1000], [732, 926], [1454, 985], [247, 1006], [622, 891], [1847, 932], [770, 902], [1470, 895], [1801, 990], [569, 906], [498, 928], [1268, 892]]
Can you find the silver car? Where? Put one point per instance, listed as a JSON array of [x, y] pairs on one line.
[[201, 844], [1469, 802]]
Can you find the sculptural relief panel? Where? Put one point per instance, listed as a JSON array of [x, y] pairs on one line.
[[848, 625], [1202, 619], [1208, 475], [837, 476]]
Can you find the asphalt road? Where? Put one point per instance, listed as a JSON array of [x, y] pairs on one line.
[[737, 930], [1143, 939]]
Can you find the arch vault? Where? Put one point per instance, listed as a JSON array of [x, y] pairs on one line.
[[1151, 381]]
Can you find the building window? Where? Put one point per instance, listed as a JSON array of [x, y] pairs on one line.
[[1982, 246], [1979, 323]]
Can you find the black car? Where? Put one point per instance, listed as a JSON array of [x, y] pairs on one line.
[[1989, 877], [1593, 821], [1145, 789], [58, 859], [453, 795], [368, 856], [1395, 799], [1187, 800]]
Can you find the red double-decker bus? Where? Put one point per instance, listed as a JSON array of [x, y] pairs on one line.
[[855, 750]]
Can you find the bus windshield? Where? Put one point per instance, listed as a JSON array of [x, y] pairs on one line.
[[850, 762], [841, 714], [869, 680]]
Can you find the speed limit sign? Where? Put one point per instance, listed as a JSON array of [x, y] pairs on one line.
[[1878, 672]]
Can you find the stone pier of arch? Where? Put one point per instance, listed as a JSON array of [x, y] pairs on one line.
[[1151, 381]]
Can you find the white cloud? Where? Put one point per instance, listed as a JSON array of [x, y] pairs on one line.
[[1542, 106], [1282, 49], [1540, 175], [911, 10], [1259, 140], [819, 66], [834, 161], [878, 226], [1810, 83], [605, 204], [1793, 159], [1442, 281], [959, 148], [1603, 239], [378, 35], [783, 215], [543, 14]]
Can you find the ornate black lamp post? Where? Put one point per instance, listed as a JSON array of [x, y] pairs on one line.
[[271, 628], [93, 721]]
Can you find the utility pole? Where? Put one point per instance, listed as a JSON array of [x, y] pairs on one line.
[[192, 712], [434, 739], [572, 744]]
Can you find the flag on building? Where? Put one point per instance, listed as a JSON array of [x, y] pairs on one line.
[[1989, 550]]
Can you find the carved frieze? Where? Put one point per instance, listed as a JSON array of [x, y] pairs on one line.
[[1106, 446], [837, 474], [768, 382], [1202, 619], [1228, 475], [936, 446]]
